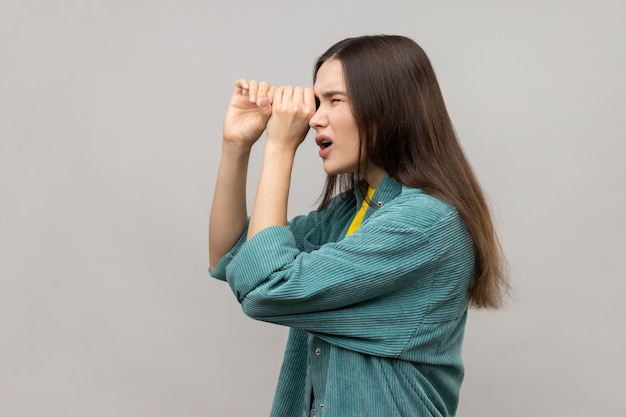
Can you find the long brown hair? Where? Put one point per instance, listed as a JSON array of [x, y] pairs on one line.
[[405, 129]]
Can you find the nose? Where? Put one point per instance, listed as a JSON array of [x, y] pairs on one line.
[[318, 120]]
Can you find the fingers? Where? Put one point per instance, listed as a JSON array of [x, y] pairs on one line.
[[262, 91], [298, 95], [258, 91], [255, 91], [252, 92], [309, 98], [270, 93], [241, 87], [263, 94], [298, 99], [278, 95], [284, 95]]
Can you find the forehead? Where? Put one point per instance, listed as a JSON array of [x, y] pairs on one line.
[[329, 77]]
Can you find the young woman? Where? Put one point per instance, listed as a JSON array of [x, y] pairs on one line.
[[375, 284]]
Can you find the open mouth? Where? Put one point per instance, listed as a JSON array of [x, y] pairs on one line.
[[324, 143]]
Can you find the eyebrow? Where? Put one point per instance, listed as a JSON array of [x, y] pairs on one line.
[[331, 93]]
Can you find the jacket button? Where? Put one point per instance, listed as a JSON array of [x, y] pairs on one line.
[[318, 351]]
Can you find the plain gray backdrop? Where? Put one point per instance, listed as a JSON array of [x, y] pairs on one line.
[[110, 126]]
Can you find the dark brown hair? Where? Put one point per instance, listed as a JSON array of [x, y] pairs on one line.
[[405, 129]]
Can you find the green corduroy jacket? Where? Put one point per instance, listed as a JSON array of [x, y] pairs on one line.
[[377, 318]]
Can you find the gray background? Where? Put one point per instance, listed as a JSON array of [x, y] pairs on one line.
[[110, 127]]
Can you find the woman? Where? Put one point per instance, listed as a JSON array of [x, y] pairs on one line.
[[375, 284]]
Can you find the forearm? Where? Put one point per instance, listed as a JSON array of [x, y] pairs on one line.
[[270, 203], [228, 211], [292, 109]]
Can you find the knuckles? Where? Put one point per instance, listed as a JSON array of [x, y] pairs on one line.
[[294, 102]]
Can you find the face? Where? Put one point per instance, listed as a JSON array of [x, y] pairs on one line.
[[337, 132]]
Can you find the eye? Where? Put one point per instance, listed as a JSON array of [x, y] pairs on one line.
[[317, 103]]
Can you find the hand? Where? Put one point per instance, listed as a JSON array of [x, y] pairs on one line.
[[248, 111], [292, 108]]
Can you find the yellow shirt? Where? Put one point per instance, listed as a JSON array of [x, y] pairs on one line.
[[358, 218]]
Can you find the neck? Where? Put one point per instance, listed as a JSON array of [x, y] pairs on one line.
[[374, 175]]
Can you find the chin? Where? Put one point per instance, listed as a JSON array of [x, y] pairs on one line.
[[333, 171], [338, 170]]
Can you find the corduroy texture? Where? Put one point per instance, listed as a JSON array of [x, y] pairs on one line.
[[377, 317]]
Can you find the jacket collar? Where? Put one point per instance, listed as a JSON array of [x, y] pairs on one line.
[[388, 189]]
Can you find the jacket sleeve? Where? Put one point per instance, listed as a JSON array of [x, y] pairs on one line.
[[387, 273], [307, 232], [220, 269]]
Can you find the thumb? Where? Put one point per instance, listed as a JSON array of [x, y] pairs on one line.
[[265, 107]]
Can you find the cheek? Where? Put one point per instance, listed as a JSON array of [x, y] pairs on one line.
[[344, 123]]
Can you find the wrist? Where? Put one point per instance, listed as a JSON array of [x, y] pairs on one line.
[[235, 149], [278, 150]]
